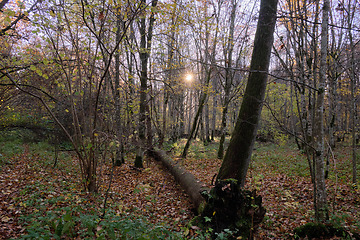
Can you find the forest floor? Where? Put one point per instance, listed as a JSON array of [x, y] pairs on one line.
[[280, 174], [40, 200]]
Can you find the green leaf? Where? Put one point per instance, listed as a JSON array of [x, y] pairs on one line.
[[39, 72], [7, 20], [67, 216], [59, 228], [67, 227]]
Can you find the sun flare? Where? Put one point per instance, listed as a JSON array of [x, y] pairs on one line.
[[189, 77]]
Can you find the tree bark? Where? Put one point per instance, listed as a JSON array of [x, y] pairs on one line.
[[145, 47], [213, 119], [352, 74], [116, 93], [228, 79], [195, 123], [207, 123], [237, 158], [321, 209], [192, 186]]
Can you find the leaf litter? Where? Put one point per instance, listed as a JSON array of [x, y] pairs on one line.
[[153, 193]]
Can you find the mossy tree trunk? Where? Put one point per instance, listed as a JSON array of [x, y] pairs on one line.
[[237, 157]]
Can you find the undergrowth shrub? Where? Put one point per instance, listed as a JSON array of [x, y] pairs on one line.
[[75, 223]]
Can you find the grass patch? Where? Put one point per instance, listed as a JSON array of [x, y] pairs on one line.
[[197, 150], [11, 144], [284, 159]]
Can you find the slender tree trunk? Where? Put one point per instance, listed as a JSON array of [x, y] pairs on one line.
[[169, 75], [149, 130], [351, 12], [190, 110], [333, 79], [214, 108], [207, 123], [143, 93], [116, 93], [181, 116], [321, 209], [145, 47], [220, 154], [237, 157], [228, 79], [202, 101], [130, 123], [164, 116]]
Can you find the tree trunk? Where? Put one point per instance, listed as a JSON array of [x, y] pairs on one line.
[[214, 108], [237, 158], [352, 69], [143, 93], [164, 119], [130, 123], [169, 75], [192, 186], [207, 123], [116, 93], [145, 47], [190, 110], [182, 116], [204, 94], [228, 79], [196, 121], [321, 209]]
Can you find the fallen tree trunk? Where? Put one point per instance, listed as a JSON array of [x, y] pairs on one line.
[[192, 186], [226, 206]]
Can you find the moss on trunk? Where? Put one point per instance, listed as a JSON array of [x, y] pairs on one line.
[[231, 210]]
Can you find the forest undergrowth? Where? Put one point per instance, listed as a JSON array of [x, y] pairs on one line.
[[40, 201], [280, 174]]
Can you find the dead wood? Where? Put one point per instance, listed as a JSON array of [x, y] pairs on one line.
[[191, 185]]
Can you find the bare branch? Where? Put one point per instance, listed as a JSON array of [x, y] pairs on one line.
[[3, 3]]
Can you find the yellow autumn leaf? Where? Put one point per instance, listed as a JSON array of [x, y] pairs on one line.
[[5, 219]]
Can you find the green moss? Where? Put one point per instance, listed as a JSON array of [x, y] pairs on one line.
[[201, 207], [230, 209]]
